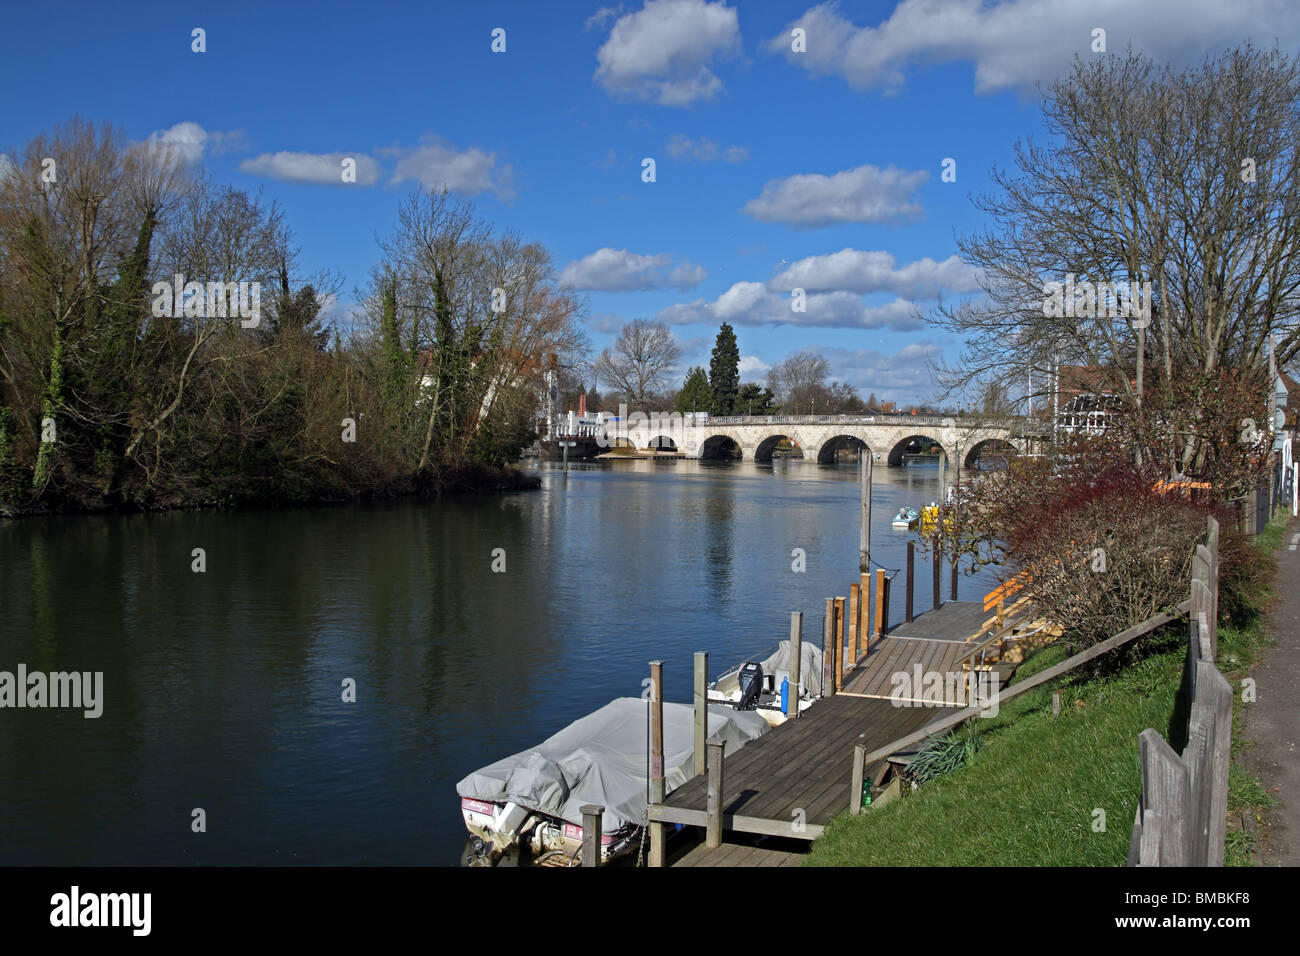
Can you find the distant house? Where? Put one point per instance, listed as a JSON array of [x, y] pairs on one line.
[[1085, 399], [424, 365]]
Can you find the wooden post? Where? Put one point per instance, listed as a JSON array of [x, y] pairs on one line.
[[881, 601], [1205, 560], [1056, 703], [911, 576], [591, 814], [1212, 543], [853, 624], [943, 479], [855, 780], [713, 806], [701, 709], [839, 644], [864, 619], [952, 593], [1211, 721], [884, 610], [864, 533], [828, 649], [936, 559], [657, 834], [1166, 795], [796, 663]]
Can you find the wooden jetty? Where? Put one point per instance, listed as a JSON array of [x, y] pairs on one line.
[[793, 780], [737, 854]]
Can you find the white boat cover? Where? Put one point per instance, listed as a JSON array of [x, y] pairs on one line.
[[778, 663], [602, 759]]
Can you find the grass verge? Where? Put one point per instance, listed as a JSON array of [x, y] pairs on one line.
[[1044, 791]]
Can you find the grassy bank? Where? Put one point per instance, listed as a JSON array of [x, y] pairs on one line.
[[1044, 791]]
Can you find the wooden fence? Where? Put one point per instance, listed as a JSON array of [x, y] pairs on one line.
[[1182, 811]]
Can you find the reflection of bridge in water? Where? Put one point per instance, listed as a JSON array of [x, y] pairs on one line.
[[890, 438]]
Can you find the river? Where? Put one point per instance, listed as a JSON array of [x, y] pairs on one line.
[[223, 689]]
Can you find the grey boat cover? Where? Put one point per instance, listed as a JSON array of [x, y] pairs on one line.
[[601, 759], [778, 663]]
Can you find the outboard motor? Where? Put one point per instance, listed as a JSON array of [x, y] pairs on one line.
[[751, 684]]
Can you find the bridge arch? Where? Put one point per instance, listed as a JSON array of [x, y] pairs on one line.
[[662, 443], [720, 448], [913, 444], [826, 454], [989, 448], [767, 447]]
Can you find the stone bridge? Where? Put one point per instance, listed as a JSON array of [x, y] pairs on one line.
[[889, 437]]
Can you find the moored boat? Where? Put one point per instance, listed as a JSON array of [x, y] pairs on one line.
[[906, 518], [530, 804], [763, 686]]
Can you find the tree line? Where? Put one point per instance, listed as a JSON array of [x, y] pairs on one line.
[[111, 399], [636, 371]]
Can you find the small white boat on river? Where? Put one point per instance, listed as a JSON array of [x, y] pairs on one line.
[[906, 518]]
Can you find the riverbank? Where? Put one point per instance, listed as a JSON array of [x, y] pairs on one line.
[[1033, 789]]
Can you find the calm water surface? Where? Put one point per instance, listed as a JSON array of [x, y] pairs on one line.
[[222, 689]]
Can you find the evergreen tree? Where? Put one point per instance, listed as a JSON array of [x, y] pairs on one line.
[[696, 395], [754, 399], [724, 372]]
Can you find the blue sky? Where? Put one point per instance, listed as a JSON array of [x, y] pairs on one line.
[[774, 169]]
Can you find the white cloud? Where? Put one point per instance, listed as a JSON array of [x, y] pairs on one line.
[[346, 316], [7, 167], [702, 150], [863, 194], [436, 165], [663, 52], [190, 140], [751, 366], [325, 169], [602, 16], [752, 303], [857, 271], [618, 270], [907, 376], [1016, 43], [606, 323]]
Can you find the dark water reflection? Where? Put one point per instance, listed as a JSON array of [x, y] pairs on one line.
[[222, 689]]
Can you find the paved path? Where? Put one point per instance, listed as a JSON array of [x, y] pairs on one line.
[[1273, 722]]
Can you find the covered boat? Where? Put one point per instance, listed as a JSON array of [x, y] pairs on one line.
[[533, 800]]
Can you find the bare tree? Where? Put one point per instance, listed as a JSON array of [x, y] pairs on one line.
[[799, 383], [640, 361], [477, 313], [1186, 183]]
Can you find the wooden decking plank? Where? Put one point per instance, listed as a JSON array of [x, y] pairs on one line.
[[883, 666], [887, 663], [792, 738], [799, 764], [836, 714], [908, 655], [794, 787]]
